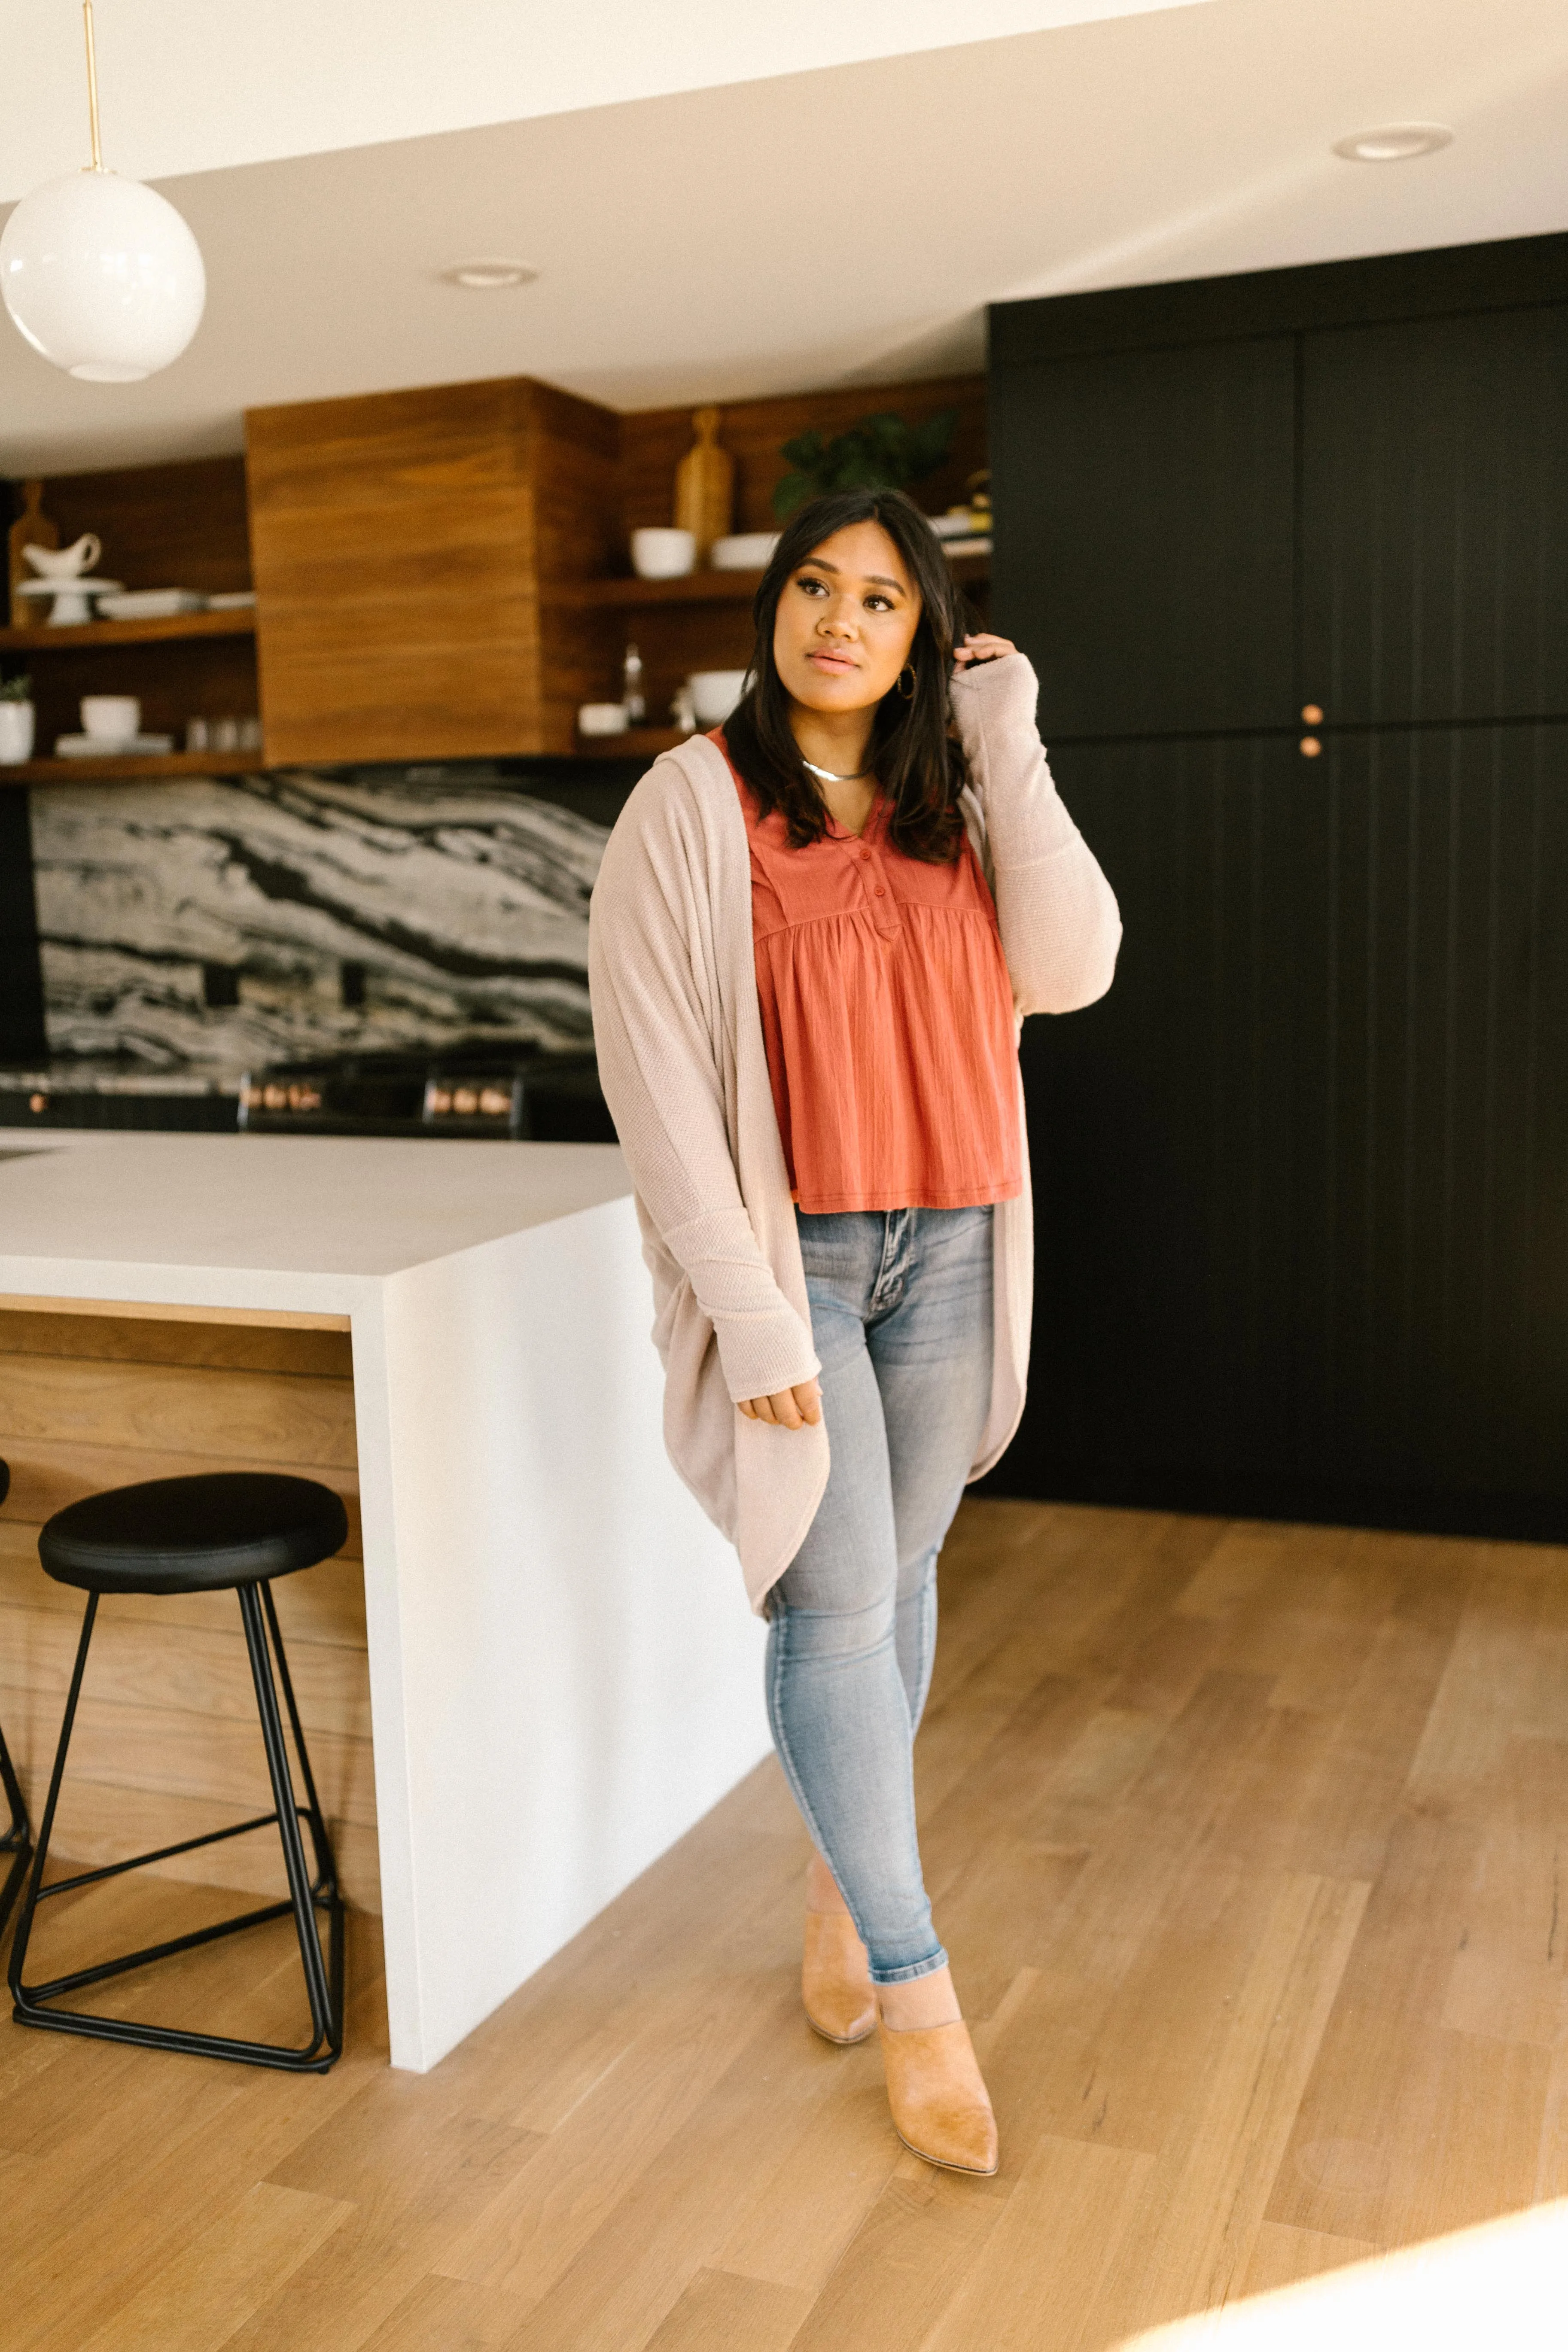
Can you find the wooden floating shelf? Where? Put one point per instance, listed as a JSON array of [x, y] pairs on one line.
[[710, 587], [41, 638], [133, 771], [636, 744], [690, 588]]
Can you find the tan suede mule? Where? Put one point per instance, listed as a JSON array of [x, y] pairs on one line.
[[834, 1979], [941, 2109]]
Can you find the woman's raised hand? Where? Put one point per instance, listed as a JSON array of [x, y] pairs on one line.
[[981, 647], [790, 1409]]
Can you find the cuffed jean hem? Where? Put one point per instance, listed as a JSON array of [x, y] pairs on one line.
[[916, 1969]]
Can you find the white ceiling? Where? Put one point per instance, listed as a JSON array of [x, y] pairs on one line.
[[843, 224], [200, 85]]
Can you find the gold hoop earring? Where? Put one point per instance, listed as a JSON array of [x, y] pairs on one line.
[[910, 672]]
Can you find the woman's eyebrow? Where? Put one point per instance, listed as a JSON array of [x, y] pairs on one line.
[[873, 579]]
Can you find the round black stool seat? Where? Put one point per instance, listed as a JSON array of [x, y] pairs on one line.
[[194, 1535]]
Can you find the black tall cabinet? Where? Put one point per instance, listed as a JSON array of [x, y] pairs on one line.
[[1289, 553]]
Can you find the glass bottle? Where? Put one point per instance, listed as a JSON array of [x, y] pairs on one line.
[[634, 702]]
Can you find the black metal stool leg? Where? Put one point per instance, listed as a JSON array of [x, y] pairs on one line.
[[30, 1901], [33, 2005], [326, 2016], [324, 1889], [17, 1841]]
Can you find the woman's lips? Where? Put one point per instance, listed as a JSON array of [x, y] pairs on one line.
[[832, 661]]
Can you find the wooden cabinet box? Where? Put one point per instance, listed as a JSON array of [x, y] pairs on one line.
[[406, 546]]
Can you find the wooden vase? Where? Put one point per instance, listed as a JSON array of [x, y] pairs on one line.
[[705, 486]]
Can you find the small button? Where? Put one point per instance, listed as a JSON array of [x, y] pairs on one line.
[[1310, 747], [1312, 714], [880, 892]]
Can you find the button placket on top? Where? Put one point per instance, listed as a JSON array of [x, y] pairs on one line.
[[866, 856]]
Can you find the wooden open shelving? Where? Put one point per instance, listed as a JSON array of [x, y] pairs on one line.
[[356, 674], [41, 638]]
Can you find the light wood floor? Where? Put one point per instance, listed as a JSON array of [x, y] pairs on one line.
[[1245, 1841]]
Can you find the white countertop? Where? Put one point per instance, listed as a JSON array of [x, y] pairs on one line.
[[268, 1220]]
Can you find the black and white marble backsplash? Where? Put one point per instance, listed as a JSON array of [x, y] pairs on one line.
[[229, 922]]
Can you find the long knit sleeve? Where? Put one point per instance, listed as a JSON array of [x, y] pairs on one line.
[[666, 1052], [1060, 921]]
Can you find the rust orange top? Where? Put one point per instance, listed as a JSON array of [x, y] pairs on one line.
[[888, 1016]]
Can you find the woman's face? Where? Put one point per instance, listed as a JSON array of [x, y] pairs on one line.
[[845, 622]]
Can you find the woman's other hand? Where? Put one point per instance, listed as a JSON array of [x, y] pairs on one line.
[[790, 1409], [981, 647]]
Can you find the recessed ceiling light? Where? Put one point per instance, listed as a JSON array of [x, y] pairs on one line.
[[1395, 142], [487, 276]]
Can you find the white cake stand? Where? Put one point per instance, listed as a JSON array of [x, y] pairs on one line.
[[73, 598]]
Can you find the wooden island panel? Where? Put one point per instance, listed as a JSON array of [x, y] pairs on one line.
[[166, 1745]]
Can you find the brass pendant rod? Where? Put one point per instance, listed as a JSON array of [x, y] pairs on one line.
[[92, 85]]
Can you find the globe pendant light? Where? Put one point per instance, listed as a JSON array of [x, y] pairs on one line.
[[99, 273]]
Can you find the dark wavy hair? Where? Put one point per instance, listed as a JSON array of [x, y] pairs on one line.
[[913, 749]]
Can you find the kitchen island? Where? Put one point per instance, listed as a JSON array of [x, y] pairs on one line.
[[563, 1670]]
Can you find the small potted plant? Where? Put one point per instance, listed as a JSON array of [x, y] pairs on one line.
[[881, 452], [15, 720]]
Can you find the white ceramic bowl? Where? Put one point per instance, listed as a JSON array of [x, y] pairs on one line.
[[749, 550], [663, 554], [602, 719], [110, 718], [714, 694]]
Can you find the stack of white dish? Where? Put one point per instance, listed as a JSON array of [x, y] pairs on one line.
[[111, 728], [149, 603], [962, 531]]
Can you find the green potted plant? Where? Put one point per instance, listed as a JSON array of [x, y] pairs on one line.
[[16, 718], [880, 452]]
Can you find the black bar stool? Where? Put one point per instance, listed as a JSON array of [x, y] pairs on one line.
[[17, 1840], [226, 1530]]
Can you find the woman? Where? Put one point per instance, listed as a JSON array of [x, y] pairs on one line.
[[813, 937]]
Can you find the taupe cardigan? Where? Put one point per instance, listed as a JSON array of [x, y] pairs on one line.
[[679, 1041]]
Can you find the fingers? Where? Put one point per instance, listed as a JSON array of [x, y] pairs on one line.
[[789, 1409], [982, 647]]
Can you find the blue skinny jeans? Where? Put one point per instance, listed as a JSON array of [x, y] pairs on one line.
[[901, 1319]]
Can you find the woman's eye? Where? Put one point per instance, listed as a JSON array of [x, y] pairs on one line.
[[878, 604], [814, 587]]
